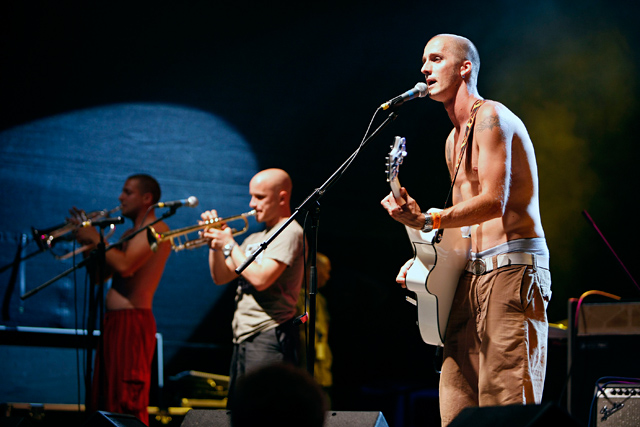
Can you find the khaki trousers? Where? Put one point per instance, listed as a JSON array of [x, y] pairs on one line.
[[495, 350]]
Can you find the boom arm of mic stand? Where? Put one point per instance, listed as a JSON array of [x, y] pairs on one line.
[[316, 195], [85, 261], [312, 205]]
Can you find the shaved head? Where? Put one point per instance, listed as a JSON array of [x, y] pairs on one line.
[[276, 179], [464, 50]]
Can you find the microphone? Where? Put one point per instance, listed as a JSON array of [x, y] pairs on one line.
[[191, 202], [102, 222], [420, 90]]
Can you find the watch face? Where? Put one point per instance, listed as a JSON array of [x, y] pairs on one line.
[[428, 223], [227, 249]]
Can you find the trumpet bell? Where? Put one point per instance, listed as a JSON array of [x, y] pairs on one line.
[[47, 238]]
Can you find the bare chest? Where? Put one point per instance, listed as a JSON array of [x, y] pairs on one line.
[[464, 160]]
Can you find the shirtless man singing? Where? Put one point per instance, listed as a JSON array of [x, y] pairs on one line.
[[495, 346]]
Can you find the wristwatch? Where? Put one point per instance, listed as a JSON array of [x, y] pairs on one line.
[[428, 223], [226, 250]]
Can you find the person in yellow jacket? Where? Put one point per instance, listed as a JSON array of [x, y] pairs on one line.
[[324, 358]]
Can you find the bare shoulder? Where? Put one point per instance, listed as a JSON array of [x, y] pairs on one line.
[[158, 226], [494, 116]]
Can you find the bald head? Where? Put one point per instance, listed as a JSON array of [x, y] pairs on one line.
[[464, 50], [277, 179]]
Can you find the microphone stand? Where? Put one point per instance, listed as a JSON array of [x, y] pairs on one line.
[[312, 206], [96, 301]]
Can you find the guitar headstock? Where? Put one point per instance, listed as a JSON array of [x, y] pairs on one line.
[[396, 156]]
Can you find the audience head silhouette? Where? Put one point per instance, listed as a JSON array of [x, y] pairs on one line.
[[278, 394]]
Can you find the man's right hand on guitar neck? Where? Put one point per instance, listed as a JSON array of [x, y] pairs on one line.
[[408, 214]]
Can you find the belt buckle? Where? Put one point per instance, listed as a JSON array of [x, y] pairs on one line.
[[478, 266]]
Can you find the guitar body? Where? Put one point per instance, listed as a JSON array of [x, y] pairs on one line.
[[439, 259], [433, 277]]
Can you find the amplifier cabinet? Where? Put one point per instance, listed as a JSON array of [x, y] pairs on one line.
[[600, 344], [618, 405]]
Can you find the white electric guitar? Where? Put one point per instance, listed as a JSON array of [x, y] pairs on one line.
[[439, 258]]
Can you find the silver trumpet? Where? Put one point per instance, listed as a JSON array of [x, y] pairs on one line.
[[47, 238], [177, 245]]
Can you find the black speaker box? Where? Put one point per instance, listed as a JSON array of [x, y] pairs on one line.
[[12, 422], [207, 417], [515, 416], [111, 419], [222, 418], [355, 419], [22, 414]]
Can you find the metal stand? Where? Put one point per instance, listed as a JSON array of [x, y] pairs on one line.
[[312, 206]]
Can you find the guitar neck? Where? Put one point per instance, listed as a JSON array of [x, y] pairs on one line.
[[395, 189]]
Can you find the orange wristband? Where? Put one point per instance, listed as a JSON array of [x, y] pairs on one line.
[[435, 216]]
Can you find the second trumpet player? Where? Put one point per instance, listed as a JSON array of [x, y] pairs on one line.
[[268, 288]]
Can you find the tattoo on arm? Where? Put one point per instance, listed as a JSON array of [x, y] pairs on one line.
[[490, 123]]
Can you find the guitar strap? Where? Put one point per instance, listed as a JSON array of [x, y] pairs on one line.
[[467, 133]]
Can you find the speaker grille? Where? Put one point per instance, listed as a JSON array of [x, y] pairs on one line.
[[111, 419], [207, 418], [548, 414], [355, 419], [222, 418]]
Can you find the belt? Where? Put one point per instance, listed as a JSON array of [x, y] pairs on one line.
[[480, 266]]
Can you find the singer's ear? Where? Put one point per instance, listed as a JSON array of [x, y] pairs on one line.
[[283, 197], [147, 199], [465, 69]]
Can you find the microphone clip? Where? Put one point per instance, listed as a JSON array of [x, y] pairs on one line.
[[103, 222]]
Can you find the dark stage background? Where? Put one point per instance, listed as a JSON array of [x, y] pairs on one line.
[[204, 94]]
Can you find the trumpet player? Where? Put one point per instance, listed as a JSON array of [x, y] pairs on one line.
[[122, 374], [267, 290]]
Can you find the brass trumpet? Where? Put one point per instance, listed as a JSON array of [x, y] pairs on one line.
[[156, 238], [48, 237]]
